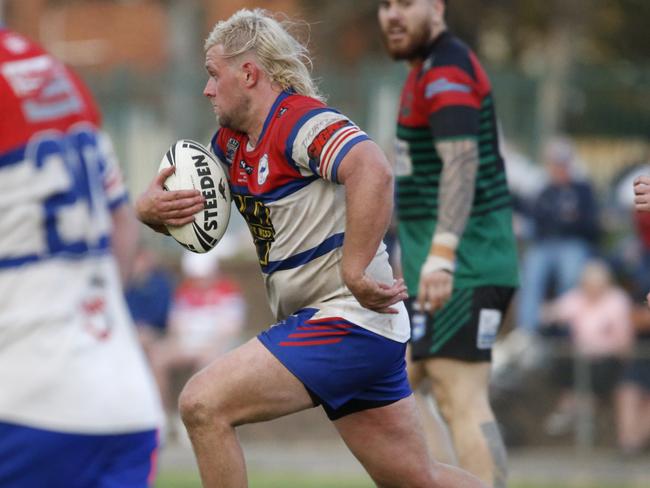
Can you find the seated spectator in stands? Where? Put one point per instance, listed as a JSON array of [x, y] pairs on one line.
[[148, 296], [565, 227], [206, 321], [633, 395], [598, 315]]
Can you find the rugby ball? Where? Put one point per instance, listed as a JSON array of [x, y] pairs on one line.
[[197, 168]]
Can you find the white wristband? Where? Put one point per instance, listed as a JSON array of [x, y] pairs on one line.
[[437, 263], [446, 239]]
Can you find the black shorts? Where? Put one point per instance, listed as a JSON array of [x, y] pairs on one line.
[[465, 328], [604, 374]]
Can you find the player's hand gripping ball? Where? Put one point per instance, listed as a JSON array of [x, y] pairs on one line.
[[197, 168]]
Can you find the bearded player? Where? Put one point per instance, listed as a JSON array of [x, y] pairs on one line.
[[454, 224]]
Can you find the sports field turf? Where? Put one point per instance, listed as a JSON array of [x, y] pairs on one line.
[[261, 480]]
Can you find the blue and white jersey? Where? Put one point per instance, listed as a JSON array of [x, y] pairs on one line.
[[287, 190], [69, 356]]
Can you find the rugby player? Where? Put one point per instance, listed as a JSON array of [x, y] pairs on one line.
[[454, 223], [78, 405], [313, 189]]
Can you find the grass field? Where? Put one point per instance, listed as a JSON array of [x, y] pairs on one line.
[[262, 480]]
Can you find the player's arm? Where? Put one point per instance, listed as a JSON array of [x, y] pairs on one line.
[[157, 207], [124, 239], [642, 193], [460, 159], [453, 103], [368, 181]]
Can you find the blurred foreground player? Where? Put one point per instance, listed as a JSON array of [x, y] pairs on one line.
[[307, 181], [454, 225], [78, 406]]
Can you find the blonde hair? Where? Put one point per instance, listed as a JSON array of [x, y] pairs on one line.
[[285, 60]]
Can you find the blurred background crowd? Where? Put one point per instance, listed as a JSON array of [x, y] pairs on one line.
[[572, 87]]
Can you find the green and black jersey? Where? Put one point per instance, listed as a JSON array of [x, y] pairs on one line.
[[445, 97]]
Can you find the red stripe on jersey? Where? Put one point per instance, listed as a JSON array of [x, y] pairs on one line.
[[311, 343], [325, 320], [302, 335], [454, 98], [325, 327], [153, 462], [334, 147]]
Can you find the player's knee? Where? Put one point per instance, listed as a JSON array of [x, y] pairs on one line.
[[444, 400], [193, 406], [196, 407]]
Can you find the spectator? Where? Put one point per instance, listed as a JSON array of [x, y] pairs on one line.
[[633, 395], [149, 296], [206, 320], [565, 227], [598, 314]]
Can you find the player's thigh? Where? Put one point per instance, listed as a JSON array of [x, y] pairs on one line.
[[415, 369], [458, 384], [389, 443], [248, 384]]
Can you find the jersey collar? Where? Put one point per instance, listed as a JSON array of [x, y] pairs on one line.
[[274, 107]]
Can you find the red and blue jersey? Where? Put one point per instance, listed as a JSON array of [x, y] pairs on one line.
[[64, 326], [286, 187]]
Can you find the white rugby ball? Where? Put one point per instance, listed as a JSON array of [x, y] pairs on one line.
[[197, 168]]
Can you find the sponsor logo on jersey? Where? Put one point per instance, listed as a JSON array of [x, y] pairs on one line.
[[282, 111], [93, 307], [315, 149], [488, 328], [317, 126], [258, 217], [248, 169], [263, 170], [418, 326]]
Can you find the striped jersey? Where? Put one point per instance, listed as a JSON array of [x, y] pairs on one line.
[[448, 96], [69, 357], [286, 187]]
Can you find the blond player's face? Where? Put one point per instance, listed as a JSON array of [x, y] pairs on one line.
[[229, 101], [407, 25]]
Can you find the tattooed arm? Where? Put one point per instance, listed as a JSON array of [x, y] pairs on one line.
[[455, 196]]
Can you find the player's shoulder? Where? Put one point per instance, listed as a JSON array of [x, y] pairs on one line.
[[14, 46], [293, 110], [449, 51], [297, 119], [31, 74]]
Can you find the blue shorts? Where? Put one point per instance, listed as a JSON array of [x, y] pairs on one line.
[[35, 458], [344, 367]]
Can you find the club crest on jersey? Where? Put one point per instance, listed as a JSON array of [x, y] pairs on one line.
[[263, 170], [231, 149]]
